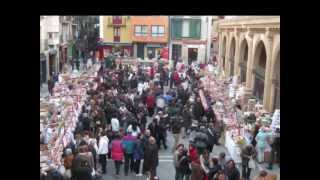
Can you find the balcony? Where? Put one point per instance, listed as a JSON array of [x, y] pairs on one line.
[[117, 21]]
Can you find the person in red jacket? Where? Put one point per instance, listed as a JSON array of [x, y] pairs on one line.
[[176, 78], [117, 152], [150, 101], [152, 72]]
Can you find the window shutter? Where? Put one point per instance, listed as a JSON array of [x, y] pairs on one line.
[[177, 28]]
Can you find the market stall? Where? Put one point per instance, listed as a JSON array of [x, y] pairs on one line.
[[59, 114], [226, 94]]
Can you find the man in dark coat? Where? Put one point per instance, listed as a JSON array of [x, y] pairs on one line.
[[247, 153], [81, 169], [198, 110], [212, 137], [151, 158]]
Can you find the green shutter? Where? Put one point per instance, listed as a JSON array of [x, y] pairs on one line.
[[177, 28], [198, 29], [195, 30]]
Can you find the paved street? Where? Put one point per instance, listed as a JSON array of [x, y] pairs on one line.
[[166, 169]]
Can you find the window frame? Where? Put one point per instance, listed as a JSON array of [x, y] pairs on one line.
[[157, 33], [141, 33]]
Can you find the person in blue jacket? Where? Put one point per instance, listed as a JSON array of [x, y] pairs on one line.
[[137, 155], [128, 144]]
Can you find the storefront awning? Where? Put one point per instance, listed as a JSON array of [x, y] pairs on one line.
[[115, 43], [154, 46]]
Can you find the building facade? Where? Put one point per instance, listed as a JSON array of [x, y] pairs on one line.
[[86, 37], [249, 47], [149, 35], [44, 61], [115, 36], [53, 37], [189, 38], [214, 46]]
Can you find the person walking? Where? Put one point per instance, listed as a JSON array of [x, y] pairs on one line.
[[80, 169], [137, 154], [152, 158], [222, 160], [145, 144], [214, 168], [212, 138], [248, 153], [231, 171], [117, 153], [176, 126], [262, 138], [161, 133], [183, 165], [128, 143], [275, 149], [176, 156], [103, 151], [150, 102], [204, 162]]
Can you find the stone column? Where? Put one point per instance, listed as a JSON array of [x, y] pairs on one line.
[[250, 60], [135, 50], [268, 75], [237, 54]]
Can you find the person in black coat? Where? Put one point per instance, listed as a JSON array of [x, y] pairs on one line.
[[231, 171], [215, 168], [81, 169], [275, 149], [151, 158], [247, 153], [183, 165], [212, 137], [198, 110], [152, 127], [161, 134]]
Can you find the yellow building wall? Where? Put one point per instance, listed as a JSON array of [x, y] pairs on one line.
[[125, 31]]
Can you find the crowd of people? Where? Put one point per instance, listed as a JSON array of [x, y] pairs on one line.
[[113, 125]]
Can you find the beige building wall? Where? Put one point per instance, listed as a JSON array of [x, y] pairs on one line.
[[253, 30]]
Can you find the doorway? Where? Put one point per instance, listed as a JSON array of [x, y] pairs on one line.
[[151, 52], [192, 55], [140, 51], [51, 64]]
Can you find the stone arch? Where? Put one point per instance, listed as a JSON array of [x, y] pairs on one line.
[[275, 73], [232, 54], [259, 66], [243, 59]]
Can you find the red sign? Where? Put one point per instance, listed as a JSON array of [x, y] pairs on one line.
[[165, 53]]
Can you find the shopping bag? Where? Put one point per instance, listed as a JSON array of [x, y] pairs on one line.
[[93, 173], [252, 164]]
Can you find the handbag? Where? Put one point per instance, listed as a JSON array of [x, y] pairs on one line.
[[251, 164]]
